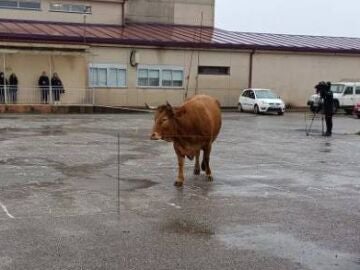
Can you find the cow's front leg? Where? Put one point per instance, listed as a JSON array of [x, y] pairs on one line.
[[197, 163], [180, 179]]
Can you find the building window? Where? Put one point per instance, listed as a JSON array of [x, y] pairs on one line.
[[103, 75], [21, 4], [349, 91], [156, 76], [357, 92], [172, 78], [149, 77], [72, 8], [210, 70]]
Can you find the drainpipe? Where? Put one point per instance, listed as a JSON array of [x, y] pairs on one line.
[[123, 17], [251, 68]]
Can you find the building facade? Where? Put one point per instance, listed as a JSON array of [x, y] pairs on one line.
[[128, 53]]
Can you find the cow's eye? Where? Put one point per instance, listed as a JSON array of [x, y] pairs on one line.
[[164, 120]]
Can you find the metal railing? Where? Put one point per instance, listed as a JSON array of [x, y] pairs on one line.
[[32, 95], [110, 96]]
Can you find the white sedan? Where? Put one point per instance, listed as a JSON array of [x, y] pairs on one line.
[[260, 101]]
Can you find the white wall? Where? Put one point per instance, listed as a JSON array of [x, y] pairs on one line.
[[294, 75]]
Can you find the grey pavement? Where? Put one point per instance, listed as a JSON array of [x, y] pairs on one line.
[[279, 200]]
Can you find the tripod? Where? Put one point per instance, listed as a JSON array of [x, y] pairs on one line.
[[308, 128]]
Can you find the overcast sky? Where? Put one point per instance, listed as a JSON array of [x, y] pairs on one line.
[[311, 17]]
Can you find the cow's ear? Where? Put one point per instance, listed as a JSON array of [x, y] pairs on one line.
[[169, 110]]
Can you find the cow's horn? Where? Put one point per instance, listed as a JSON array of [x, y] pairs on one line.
[[149, 107], [168, 104]]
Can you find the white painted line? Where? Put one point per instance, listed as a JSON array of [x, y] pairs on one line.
[[174, 205], [6, 211], [312, 188], [277, 188]]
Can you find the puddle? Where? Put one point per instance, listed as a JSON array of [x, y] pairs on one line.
[[183, 226], [31, 132], [135, 184], [21, 191], [268, 240], [52, 131], [31, 161], [67, 170], [9, 130], [5, 261], [326, 148]]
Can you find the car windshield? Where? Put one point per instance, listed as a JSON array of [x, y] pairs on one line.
[[265, 94], [337, 88]]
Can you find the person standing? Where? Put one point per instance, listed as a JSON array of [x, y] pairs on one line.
[[3, 83], [57, 87], [44, 85], [13, 88], [326, 96]]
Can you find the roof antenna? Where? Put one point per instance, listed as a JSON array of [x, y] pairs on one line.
[[198, 58], [191, 60]]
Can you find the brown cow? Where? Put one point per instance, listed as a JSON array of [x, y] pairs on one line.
[[191, 127]]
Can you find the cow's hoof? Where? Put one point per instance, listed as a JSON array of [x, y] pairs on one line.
[[178, 184], [197, 171], [210, 178]]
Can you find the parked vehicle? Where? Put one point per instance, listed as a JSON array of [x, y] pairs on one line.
[[346, 95], [357, 109], [260, 101]]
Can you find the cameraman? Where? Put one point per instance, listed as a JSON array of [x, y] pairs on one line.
[[326, 96]]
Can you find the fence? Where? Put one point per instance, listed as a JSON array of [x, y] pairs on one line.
[[110, 96], [31, 95]]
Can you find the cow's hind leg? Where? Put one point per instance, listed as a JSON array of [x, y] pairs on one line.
[[206, 163], [180, 179], [197, 163], [203, 165]]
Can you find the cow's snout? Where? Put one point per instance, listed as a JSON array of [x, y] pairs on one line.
[[155, 136]]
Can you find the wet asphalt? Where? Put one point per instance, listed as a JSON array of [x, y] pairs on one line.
[[279, 200]]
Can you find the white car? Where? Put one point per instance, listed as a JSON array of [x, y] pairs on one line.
[[260, 101]]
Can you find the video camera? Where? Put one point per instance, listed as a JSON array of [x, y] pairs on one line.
[[321, 89]]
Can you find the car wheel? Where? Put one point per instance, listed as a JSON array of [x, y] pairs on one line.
[[240, 109], [348, 111], [256, 109], [280, 113], [358, 116]]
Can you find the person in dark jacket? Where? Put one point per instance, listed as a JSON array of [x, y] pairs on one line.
[[13, 88], [327, 98], [3, 84], [57, 87], [44, 85]]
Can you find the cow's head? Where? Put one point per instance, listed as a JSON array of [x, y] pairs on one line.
[[165, 123]]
